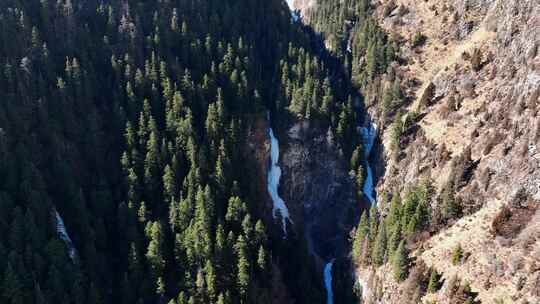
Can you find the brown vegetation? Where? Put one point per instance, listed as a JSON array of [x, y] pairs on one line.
[[511, 220]]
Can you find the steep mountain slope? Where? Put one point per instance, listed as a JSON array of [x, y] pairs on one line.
[[477, 105], [465, 124], [139, 143]]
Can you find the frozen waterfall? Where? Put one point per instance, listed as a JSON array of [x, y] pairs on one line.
[[273, 181], [328, 282], [369, 134]]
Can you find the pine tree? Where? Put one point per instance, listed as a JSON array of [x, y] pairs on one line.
[[221, 299], [210, 280], [395, 238], [169, 184], [433, 284], [401, 262], [247, 227], [361, 232], [243, 275], [261, 259], [379, 246], [451, 208], [235, 210], [396, 132], [160, 287], [394, 214], [260, 233], [360, 179], [457, 255], [154, 253], [152, 163]]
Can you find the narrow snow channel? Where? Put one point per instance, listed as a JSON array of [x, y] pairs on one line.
[[328, 282], [273, 181], [368, 136], [64, 236]]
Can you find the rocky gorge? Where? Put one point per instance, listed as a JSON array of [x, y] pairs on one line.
[[471, 128]]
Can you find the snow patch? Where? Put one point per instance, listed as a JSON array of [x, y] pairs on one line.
[[64, 236]]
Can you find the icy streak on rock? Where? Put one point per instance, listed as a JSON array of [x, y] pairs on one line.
[[274, 175]]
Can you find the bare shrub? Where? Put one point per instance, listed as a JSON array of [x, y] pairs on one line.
[[515, 263], [417, 281], [492, 141], [511, 220], [476, 60], [403, 10], [485, 178], [500, 219], [451, 286], [523, 148], [418, 39]]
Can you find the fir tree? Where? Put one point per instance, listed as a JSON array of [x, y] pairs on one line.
[[401, 262], [243, 275], [433, 283], [457, 255], [379, 246]]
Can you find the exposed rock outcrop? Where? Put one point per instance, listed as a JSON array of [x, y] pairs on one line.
[[318, 189], [480, 81]]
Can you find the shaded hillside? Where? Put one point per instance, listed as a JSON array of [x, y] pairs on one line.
[[125, 128]]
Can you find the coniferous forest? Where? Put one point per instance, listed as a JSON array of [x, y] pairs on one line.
[[129, 120]]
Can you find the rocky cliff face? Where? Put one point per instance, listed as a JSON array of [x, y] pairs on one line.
[[318, 189], [304, 6], [475, 86]]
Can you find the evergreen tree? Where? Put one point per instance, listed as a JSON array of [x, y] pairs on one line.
[[243, 275], [261, 259], [154, 252], [395, 239], [401, 262], [379, 246], [451, 208], [457, 255], [361, 232], [433, 283]]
